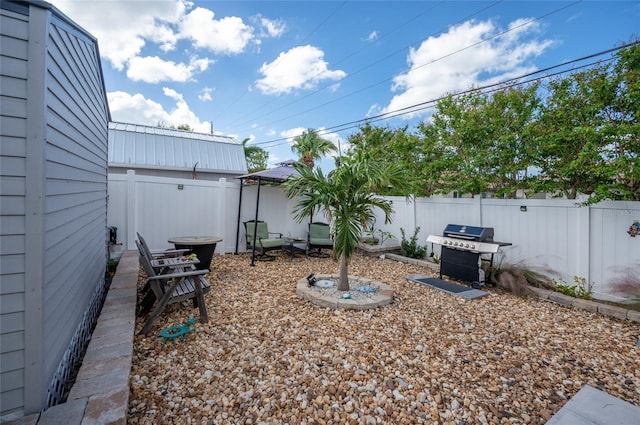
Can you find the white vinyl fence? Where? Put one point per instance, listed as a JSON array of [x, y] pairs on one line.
[[552, 236]]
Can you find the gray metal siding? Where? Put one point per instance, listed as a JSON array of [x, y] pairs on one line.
[[75, 182], [13, 127], [137, 146], [53, 184]]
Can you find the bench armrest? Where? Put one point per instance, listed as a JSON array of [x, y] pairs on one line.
[[181, 274]]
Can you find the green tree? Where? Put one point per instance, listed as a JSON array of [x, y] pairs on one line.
[[384, 144], [255, 155], [621, 127], [347, 196], [310, 147], [509, 115], [459, 134], [569, 143], [185, 127]]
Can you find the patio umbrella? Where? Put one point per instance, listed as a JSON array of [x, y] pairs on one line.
[[276, 175]]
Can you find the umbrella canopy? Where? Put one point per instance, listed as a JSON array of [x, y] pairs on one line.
[[276, 175], [279, 174]]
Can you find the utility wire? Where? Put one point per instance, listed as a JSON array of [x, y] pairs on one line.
[[483, 89], [369, 66], [425, 64]]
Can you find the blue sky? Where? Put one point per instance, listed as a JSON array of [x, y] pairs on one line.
[[268, 70]]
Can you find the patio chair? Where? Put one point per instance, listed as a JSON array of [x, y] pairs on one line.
[[178, 284], [319, 238], [163, 264], [154, 255], [264, 242]]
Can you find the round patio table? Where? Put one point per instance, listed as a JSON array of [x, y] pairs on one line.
[[202, 246]]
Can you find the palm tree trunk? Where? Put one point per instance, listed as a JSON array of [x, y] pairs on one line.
[[343, 283]]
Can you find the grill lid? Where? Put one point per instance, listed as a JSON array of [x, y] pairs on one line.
[[475, 233]]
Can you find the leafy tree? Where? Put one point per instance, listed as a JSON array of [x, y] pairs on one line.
[[185, 127], [347, 195], [256, 156], [383, 144], [509, 115], [621, 128], [311, 147], [458, 133], [568, 138]]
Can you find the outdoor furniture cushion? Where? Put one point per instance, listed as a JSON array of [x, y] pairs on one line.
[[319, 235], [319, 238], [264, 242]]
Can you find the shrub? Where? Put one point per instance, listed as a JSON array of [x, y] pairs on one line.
[[580, 289], [411, 248], [517, 278]]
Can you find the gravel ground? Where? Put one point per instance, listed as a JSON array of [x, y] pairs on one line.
[[267, 357]]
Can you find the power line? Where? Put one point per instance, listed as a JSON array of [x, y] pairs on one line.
[[369, 66], [483, 89]]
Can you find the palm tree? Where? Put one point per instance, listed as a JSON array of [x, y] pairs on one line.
[[347, 195], [311, 147], [255, 155]]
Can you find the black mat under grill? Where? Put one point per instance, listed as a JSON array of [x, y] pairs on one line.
[[442, 284]]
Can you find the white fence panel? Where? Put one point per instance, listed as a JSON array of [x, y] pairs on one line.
[[553, 236], [614, 255], [557, 237], [159, 209]]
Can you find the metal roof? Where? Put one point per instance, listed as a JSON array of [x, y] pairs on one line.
[[135, 145]]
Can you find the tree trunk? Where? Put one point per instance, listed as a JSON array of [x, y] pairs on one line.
[[343, 283]]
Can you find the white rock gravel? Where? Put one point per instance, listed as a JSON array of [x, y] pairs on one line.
[[268, 357]]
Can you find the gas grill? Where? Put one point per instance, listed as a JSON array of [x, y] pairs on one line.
[[462, 250]]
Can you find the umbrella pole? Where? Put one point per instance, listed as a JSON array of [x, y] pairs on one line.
[[239, 212], [255, 224]]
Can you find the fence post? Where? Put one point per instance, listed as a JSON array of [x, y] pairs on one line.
[[583, 242], [221, 214], [131, 209]]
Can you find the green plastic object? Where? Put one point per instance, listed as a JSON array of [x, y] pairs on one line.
[[173, 332]]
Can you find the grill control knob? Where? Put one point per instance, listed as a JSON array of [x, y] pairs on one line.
[[466, 245], [473, 246]]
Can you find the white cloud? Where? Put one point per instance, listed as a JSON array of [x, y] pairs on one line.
[[152, 69], [372, 36], [124, 27], [461, 59], [302, 67], [137, 109], [291, 133], [270, 27], [205, 94], [119, 37], [228, 35]]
